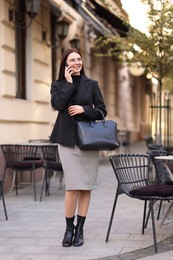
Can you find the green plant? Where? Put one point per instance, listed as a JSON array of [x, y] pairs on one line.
[[153, 49]]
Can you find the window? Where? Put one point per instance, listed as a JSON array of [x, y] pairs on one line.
[[54, 49], [20, 54]]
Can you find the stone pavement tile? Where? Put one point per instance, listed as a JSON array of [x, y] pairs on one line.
[[165, 247], [11, 257], [28, 249], [22, 241], [163, 256], [6, 248], [3, 239]]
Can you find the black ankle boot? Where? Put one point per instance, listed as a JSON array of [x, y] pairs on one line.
[[69, 233], [79, 237]]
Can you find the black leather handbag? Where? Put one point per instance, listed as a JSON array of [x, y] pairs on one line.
[[97, 135]]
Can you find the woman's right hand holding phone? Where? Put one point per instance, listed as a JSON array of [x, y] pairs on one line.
[[67, 73]]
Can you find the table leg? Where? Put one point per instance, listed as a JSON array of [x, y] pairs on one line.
[[166, 214]]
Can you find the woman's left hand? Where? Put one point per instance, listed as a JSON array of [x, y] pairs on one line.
[[75, 109]]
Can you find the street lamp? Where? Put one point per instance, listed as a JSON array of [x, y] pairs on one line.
[[18, 17], [136, 69], [75, 43], [61, 33]]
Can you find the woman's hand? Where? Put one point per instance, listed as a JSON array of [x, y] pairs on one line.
[[67, 73], [75, 110]]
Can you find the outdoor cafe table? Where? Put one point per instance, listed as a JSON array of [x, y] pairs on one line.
[[165, 158]]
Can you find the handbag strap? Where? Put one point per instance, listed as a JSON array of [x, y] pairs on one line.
[[103, 117]]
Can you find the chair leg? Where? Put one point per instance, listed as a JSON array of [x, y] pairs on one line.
[[43, 183], [34, 183], [48, 176], [153, 225], [148, 215], [158, 214], [60, 175], [166, 214], [144, 216], [30, 177], [112, 216], [3, 200], [54, 176], [13, 181], [16, 182], [60, 180]]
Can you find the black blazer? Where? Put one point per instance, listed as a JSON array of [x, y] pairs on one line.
[[88, 96]]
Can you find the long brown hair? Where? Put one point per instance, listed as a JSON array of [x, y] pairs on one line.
[[63, 62]]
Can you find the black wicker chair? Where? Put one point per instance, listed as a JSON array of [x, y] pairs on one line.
[[51, 164], [22, 158], [154, 146], [163, 171], [131, 171]]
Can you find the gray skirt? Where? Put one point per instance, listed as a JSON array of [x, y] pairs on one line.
[[80, 167]]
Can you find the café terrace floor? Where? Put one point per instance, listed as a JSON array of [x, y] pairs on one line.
[[34, 230]]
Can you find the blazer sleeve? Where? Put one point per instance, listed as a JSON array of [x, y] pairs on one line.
[[61, 91], [98, 103]]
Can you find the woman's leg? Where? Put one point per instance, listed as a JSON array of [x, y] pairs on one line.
[[72, 198], [83, 205], [83, 202], [70, 208], [70, 202]]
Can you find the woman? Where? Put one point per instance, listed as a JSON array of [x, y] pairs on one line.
[[77, 98]]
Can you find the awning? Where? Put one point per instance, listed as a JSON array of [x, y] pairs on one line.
[[107, 17], [54, 8], [88, 16], [99, 17]]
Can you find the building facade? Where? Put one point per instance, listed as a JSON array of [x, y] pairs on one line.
[[30, 51]]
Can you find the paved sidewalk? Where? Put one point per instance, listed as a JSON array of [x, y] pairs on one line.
[[35, 229]]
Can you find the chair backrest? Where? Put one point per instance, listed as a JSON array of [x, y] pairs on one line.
[[51, 156], [163, 173], [131, 170], [14, 153], [50, 152], [154, 146]]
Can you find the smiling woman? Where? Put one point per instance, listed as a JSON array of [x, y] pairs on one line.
[[137, 12], [76, 98]]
